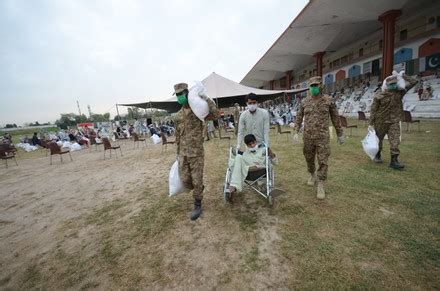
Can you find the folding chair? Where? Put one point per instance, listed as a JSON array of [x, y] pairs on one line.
[[137, 139], [56, 150], [44, 144], [165, 142], [6, 154], [362, 117], [408, 119], [261, 181], [108, 146], [94, 142], [279, 131], [228, 138], [344, 123]]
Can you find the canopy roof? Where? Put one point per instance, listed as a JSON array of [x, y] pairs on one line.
[[323, 25], [225, 93]]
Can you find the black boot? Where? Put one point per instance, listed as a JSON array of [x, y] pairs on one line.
[[395, 163], [197, 209], [378, 158]]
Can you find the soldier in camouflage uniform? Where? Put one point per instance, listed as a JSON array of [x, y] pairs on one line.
[[317, 110], [386, 113], [189, 140]]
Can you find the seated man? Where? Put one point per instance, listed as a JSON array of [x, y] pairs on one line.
[[253, 159]]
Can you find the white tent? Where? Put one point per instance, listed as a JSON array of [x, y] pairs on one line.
[[220, 87]]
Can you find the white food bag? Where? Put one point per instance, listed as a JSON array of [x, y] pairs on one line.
[[371, 144], [75, 147], [175, 184], [198, 105], [156, 139]]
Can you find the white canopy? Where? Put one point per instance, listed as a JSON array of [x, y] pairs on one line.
[[220, 87]]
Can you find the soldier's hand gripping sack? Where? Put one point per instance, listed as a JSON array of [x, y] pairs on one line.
[[197, 102], [371, 143], [175, 184]]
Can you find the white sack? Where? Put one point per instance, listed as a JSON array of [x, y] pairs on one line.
[[175, 184], [75, 147], [60, 143], [156, 139], [66, 144], [198, 105], [370, 144]]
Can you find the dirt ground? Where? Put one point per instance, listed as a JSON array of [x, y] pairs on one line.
[[109, 224]]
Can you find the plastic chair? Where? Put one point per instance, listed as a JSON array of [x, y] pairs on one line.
[[56, 150]]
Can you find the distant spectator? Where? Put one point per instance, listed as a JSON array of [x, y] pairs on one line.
[[35, 140]]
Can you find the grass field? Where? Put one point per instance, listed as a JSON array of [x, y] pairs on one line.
[[377, 229]]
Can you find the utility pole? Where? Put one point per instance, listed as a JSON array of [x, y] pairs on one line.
[[90, 111], [117, 111], [79, 109]]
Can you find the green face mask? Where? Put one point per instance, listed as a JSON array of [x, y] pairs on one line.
[[182, 100], [314, 90], [392, 87]]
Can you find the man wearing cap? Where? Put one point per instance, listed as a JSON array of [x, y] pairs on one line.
[[386, 113], [317, 110], [189, 140]]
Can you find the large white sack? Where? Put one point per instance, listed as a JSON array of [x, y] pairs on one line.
[[60, 143], [370, 144], [400, 81], [66, 144], [198, 105], [175, 184], [75, 147], [156, 139]]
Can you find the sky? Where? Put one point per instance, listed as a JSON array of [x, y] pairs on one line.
[[103, 52]]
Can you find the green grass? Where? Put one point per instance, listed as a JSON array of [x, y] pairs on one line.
[[377, 229]]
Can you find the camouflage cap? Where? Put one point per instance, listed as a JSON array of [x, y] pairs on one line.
[[391, 80], [315, 80], [180, 87]]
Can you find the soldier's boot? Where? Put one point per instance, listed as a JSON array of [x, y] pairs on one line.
[[312, 180], [320, 193], [395, 163], [378, 158], [197, 211]]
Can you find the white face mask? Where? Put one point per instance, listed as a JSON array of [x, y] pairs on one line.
[[252, 150], [252, 107]]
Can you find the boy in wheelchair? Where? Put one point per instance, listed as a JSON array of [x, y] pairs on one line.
[[252, 162]]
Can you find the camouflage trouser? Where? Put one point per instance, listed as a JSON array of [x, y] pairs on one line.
[[321, 149], [191, 174], [393, 131]]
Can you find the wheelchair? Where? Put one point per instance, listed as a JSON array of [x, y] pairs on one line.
[[261, 181]]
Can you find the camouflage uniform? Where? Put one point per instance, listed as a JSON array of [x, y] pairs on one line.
[[386, 113], [317, 114], [189, 140]]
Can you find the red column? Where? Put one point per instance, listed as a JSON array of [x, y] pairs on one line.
[[271, 84], [388, 20], [288, 80], [318, 57]]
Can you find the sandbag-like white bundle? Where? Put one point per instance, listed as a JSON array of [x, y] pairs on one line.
[[175, 183], [66, 144], [400, 81], [198, 105], [75, 147], [370, 143], [156, 139], [60, 143]]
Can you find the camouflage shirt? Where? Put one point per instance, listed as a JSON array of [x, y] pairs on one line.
[[316, 114], [387, 106], [190, 131]]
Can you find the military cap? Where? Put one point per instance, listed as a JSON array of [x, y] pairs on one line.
[[315, 80], [391, 80], [180, 87]]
